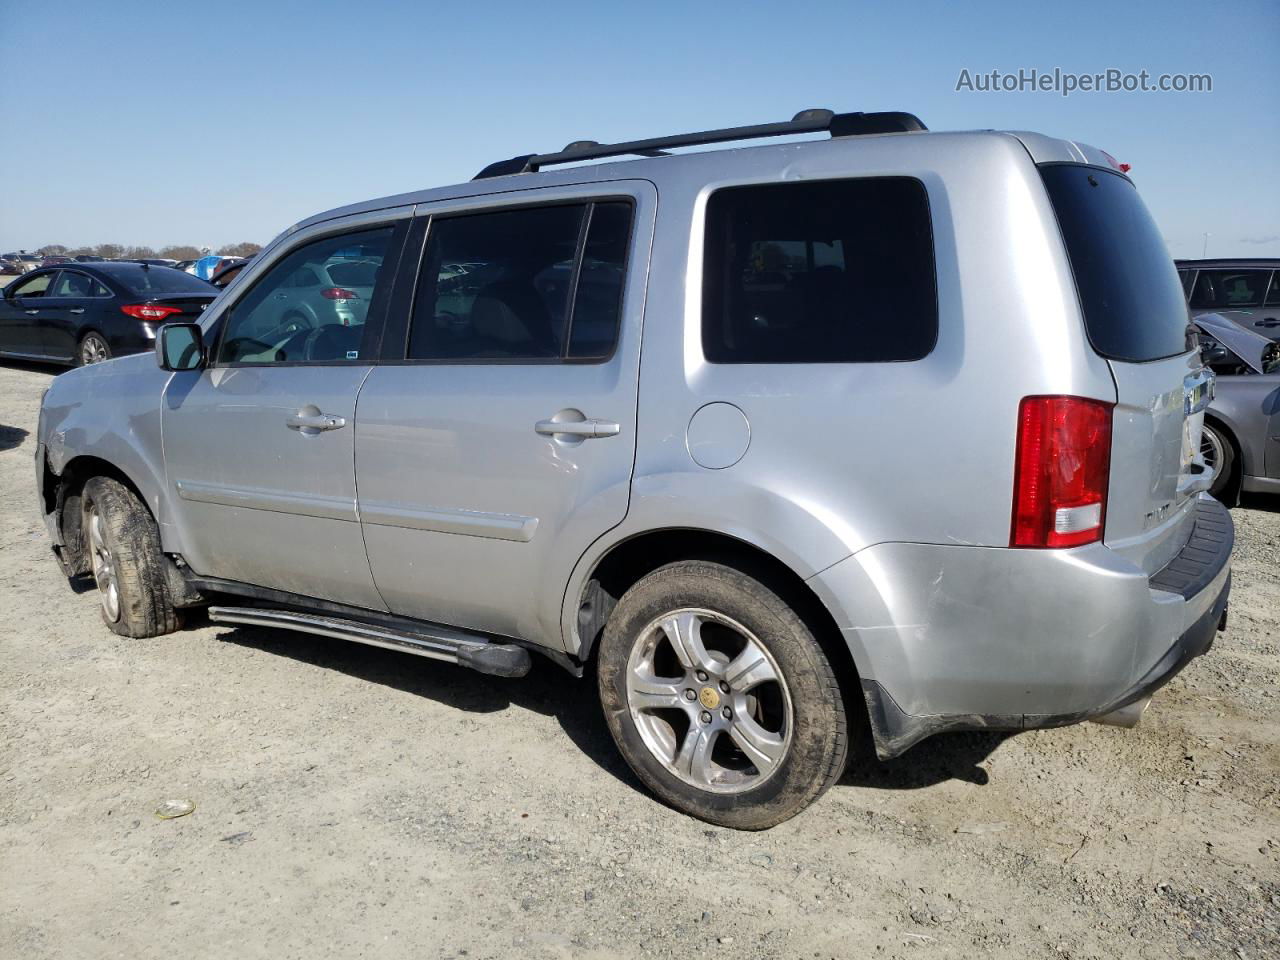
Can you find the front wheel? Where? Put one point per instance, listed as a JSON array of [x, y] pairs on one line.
[[719, 697], [124, 553]]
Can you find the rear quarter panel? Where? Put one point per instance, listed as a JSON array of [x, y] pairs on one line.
[[843, 456]]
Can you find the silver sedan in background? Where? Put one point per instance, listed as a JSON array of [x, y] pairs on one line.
[[1241, 439]]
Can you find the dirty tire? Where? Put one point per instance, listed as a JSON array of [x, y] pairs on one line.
[[819, 731], [146, 608]]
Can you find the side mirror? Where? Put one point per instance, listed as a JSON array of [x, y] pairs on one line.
[[179, 346]]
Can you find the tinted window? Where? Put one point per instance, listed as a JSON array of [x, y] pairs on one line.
[[79, 286], [151, 282], [511, 299], [1187, 277], [35, 287], [281, 321], [1134, 308], [597, 305], [1228, 289], [831, 272], [1273, 295]]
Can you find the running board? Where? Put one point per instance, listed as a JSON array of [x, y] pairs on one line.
[[438, 643]]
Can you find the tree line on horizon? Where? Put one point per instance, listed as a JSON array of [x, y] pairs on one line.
[[118, 251]]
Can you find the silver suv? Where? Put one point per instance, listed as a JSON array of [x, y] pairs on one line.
[[893, 426]]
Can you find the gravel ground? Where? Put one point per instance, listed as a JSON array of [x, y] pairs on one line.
[[352, 801]]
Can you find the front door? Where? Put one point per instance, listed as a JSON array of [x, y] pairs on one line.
[[259, 446], [497, 439], [20, 311]]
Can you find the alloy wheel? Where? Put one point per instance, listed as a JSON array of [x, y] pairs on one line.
[[1211, 450], [709, 701], [104, 566], [93, 349]]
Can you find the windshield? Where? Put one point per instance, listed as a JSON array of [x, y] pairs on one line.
[[160, 281], [1134, 307]]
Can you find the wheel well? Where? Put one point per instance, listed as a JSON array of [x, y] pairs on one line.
[[632, 559], [1228, 434], [57, 490], [1237, 456]]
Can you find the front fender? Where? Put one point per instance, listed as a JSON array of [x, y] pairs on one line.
[[110, 411]]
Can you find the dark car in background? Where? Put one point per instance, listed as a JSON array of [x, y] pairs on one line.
[[1251, 286], [88, 312]]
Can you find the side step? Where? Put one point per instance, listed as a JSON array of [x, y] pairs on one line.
[[439, 643]]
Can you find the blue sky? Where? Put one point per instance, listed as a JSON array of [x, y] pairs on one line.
[[167, 121]]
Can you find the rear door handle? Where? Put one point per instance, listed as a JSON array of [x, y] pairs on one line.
[[586, 429], [315, 422], [33, 312], [77, 310]]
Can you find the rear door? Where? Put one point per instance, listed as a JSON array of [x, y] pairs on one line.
[[71, 298], [497, 438], [260, 445], [1136, 317]]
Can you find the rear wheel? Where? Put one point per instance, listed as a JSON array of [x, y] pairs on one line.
[[93, 349], [719, 697], [124, 553], [1219, 456]]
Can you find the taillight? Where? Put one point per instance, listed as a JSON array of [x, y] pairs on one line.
[[149, 311], [1060, 471], [339, 293]]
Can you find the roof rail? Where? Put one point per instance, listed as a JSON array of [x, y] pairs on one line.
[[806, 121]]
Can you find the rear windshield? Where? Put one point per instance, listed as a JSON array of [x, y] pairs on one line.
[[160, 281], [1134, 307]]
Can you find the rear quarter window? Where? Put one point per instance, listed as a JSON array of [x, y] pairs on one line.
[[837, 271], [1134, 306]]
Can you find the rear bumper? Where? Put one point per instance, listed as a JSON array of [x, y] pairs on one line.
[[960, 638]]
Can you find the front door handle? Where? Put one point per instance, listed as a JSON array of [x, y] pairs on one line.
[[33, 312], [312, 423], [585, 429], [77, 310]]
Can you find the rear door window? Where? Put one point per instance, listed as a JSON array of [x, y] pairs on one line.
[[1229, 289], [838, 271], [1134, 307], [77, 286], [532, 284]]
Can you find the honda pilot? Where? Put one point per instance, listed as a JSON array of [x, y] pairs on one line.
[[892, 431]]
